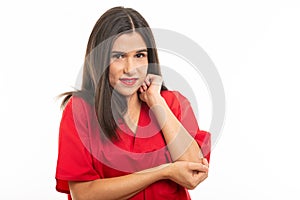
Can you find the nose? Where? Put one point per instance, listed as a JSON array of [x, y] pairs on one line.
[[129, 65]]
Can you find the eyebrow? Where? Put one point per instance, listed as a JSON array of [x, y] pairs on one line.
[[138, 51]]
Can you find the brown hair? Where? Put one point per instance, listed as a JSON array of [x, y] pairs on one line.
[[95, 87]]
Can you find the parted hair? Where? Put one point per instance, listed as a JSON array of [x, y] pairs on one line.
[[95, 87]]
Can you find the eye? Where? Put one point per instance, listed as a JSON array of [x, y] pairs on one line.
[[140, 55], [117, 56]]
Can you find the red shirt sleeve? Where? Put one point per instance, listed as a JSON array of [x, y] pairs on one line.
[[74, 161], [182, 109]]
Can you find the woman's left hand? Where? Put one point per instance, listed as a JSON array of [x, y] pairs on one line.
[[150, 89]]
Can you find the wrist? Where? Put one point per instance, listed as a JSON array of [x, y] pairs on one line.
[[156, 100], [160, 172], [167, 171]]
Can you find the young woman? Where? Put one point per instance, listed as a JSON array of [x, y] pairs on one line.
[[123, 135]]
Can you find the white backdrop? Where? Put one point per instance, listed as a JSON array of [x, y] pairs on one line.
[[255, 46]]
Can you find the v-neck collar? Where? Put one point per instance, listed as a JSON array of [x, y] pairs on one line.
[[128, 129]]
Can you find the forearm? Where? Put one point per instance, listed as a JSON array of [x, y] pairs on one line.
[[181, 144], [122, 187]]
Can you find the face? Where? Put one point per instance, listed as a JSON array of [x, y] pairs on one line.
[[128, 63]]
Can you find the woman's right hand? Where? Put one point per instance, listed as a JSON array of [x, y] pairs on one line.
[[188, 174]]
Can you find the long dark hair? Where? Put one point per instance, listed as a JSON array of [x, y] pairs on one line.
[[96, 88]]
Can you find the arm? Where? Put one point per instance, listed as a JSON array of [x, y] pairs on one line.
[[181, 144], [124, 187]]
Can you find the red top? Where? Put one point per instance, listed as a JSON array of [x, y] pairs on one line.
[[84, 155]]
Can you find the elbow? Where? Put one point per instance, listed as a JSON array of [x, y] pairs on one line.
[[79, 195], [81, 191], [192, 156]]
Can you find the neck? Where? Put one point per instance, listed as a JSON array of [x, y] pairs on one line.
[[133, 111], [133, 102]]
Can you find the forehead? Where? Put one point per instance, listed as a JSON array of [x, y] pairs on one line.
[[129, 42]]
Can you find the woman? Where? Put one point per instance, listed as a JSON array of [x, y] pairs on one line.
[[123, 135]]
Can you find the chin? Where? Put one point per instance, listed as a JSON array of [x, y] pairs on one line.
[[127, 92]]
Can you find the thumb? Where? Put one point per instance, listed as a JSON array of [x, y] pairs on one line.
[[205, 162], [198, 167]]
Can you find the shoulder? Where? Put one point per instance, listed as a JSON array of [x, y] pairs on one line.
[[77, 107], [175, 100], [77, 118], [173, 97], [77, 102]]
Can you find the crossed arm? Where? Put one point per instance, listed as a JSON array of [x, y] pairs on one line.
[[124, 187], [188, 169]]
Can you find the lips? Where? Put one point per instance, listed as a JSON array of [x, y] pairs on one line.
[[128, 81]]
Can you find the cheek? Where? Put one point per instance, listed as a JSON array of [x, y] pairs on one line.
[[111, 80], [143, 69], [114, 74]]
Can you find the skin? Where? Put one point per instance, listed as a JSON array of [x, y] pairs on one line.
[[129, 62]]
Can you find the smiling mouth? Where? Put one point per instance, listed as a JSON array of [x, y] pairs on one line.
[[128, 81]]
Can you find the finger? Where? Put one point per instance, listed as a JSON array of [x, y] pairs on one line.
[[148, 78], [148, 82], [156, 83], [198, 167], [144, 86], [205, 162], [153, 78], [201, 177]]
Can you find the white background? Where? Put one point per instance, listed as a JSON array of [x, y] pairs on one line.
[[255, 46]]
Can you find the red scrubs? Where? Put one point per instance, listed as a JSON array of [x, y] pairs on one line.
[[84, 155]]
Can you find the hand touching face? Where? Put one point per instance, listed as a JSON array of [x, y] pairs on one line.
[[150, 89], [129, 63]]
